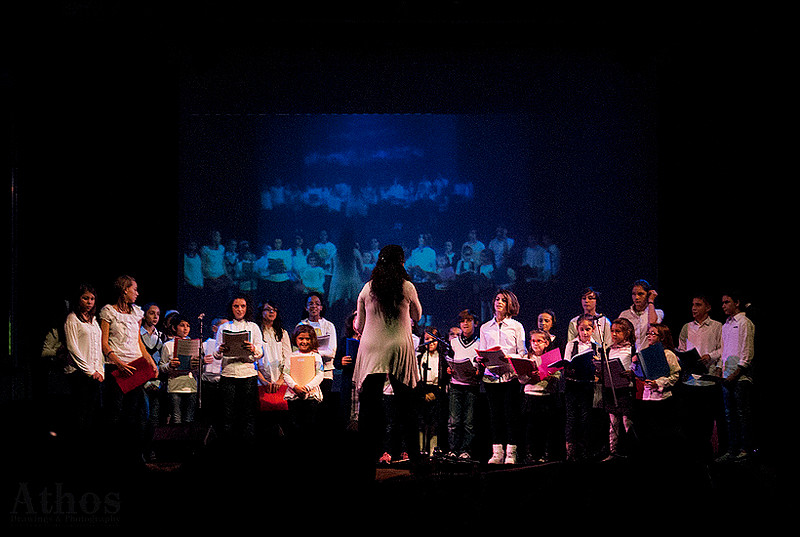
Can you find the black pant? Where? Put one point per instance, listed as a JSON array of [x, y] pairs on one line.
[[505, 401], [578, 397], [539, 419], [239, 399], [86, 405], [126, 418], [371, 417]]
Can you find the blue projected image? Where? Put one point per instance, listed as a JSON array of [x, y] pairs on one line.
[[302, 203], [357, 165]]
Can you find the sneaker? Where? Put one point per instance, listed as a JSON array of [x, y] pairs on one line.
[[725, 457], [464, 457], [498, 454], [511, 455]]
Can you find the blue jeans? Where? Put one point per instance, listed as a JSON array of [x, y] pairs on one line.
[[739, 416], [461, 424], [182, 409]]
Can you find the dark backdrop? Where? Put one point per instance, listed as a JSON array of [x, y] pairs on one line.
[[98, 95]]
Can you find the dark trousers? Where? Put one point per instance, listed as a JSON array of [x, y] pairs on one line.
[[540, 421], [126, 419], [239, 400], [210, 404], [86, 405], [701, 407], [371, 418], [659, 438], [505, 401], [461, 423], [739, 416], [578, 397]]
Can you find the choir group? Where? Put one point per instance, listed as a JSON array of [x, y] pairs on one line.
[[489, 390]]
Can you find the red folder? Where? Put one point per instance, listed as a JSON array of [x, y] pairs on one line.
[[144, 371], [272, 401], [547, 359]]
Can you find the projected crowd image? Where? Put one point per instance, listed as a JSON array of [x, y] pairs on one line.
[[288, 271], [303, 203]]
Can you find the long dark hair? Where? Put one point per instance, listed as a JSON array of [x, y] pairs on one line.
[[387, 279], [277, 324], [628, 330], [248, 312], [74, 305]]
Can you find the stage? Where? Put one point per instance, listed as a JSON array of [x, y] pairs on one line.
[[193, 485]]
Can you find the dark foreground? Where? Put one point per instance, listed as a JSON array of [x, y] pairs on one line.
[[195, 484]]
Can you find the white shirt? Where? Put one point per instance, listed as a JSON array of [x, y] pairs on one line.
[[738, 334], [123, 331], [327, 351], [509, 336], [641, 322], [464, 351], [278, 275], [326, 252], [423, 257], [152, 341], [706, 337], [213, 261], [83, 341], [240, 368], [192, 271], [178, 382], [276, 353], [429, 367], [211, 371], [625, 355], [315, 393], [543, 387], [601, 334], [661, 391]]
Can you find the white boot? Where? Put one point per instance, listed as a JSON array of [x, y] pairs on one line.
[[511, 454], [497, 454]]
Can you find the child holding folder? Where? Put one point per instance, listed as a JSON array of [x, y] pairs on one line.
[[538, 401], [303, 374]]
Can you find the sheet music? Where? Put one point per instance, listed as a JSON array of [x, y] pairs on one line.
[[185, 350], [235, 342]]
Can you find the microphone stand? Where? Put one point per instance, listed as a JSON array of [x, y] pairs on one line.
[[200, 366], [604, 359]]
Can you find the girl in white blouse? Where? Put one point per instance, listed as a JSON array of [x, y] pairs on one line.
[[120, 324], [656, 416], [85, 368], [277, 347], [502, 386], [238, 383]]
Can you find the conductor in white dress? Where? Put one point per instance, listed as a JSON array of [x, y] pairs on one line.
[[387, 305]]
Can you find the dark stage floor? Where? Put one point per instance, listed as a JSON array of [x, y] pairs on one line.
[[193, 485]]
